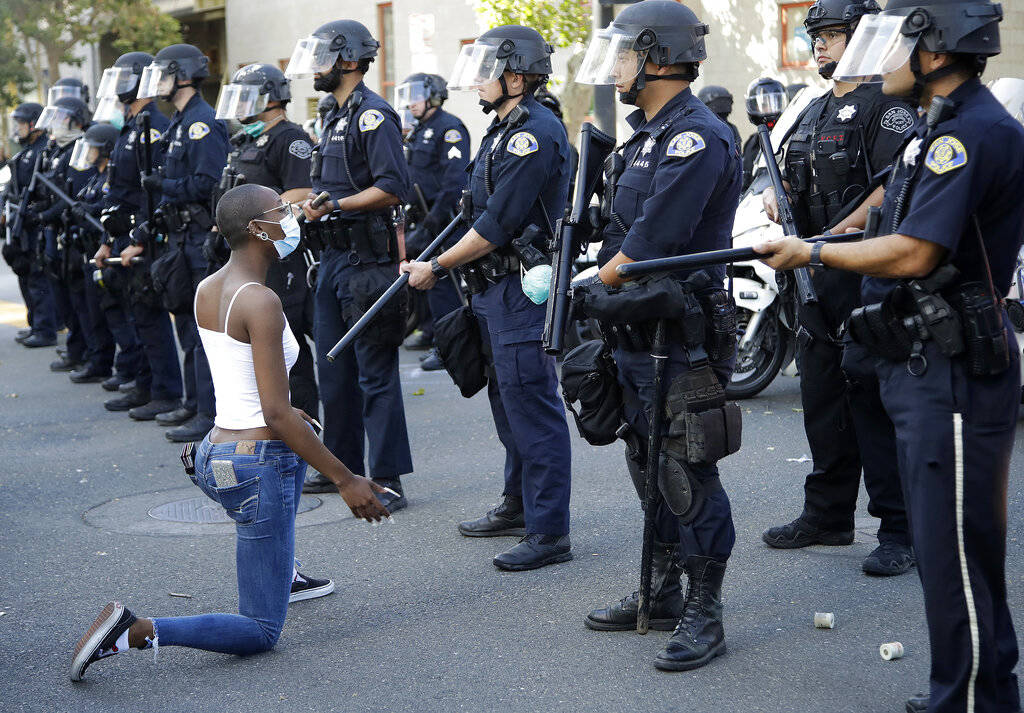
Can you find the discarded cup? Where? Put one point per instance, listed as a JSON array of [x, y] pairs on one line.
[[824, 620], [892, 650]]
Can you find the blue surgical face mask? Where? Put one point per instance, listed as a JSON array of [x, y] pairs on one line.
[[292, 233], [254, 129], [117, 121], [537, 283]]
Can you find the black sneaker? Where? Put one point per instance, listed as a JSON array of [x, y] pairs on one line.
[[88, 375], [100, 640], [64, 364], [889, 559], [919, 703], [115, 381], [132, 399], [148, 410], [126, 386], [801, 533], [318, 483], [22, 335], [194, 429], [176, 417], [36, 340], [304, 587], [432, 362]]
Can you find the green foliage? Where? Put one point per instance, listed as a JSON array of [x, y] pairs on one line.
[[563, 23], [15, 79]]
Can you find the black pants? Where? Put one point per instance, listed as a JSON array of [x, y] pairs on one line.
[[288, 279], [848, 430]]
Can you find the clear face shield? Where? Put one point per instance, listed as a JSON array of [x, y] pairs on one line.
[[312, 55], [877, 48], [63, 90], [611, 59], [240, 101], [109, 110], [408, 120], [54, 119], [84, 155], [477, 65], [766, 102], [157, 81], [115, 81], [410, 93]]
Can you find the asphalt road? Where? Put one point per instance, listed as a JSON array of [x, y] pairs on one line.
[[421, 619]]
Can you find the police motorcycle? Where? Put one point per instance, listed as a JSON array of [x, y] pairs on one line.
[[766, 323]]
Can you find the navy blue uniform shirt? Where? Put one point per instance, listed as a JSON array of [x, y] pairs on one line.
[[70, 180], [278, 158], [369, 136], [125, 167], [438, 156], [679, 191], [528, 161], [22, 164], [968, 167], [197, 149]]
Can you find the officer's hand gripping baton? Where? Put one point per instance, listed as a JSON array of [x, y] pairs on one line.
[[805, 288], [55, 190], [696, 261], [116, 261], [364, 321]]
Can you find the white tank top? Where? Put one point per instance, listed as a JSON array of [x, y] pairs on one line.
[[234, 377]]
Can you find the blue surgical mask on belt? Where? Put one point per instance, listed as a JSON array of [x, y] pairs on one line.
[[537, 283]]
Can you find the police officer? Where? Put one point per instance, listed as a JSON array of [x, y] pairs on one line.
[[359, 162], [92, 151], [65, 120], [719, 101], [677, 194], [21, 252], [841, 141], [68, 87], [274, 152], [951, 228], [137, 313], [518, 185], [196, 150], [437, 149], [766, 99]]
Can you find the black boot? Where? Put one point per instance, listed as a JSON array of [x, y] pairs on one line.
[[700, 636], [504, 520], [666, 597]]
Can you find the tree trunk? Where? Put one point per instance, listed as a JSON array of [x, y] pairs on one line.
[[576, 98]]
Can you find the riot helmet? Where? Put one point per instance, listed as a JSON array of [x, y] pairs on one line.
[[546, 98], [251, 88], [835, 16], [887, 41], [68, 87], [430, 89], [766, 100], [717, 99], [97, 143], [320, 53], [65, 113], [661, 31], [177, 63], [508, 48], [24, 119], [121, 81]]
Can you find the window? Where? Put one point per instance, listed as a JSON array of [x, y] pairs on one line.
[[797, 51], [386, 30]]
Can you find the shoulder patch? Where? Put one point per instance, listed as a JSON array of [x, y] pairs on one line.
[[898, 119], [685, 144], [453, 136], [155, 136], [370, 120], [522, 143], [198, 130], [454, 152], [945, 154], [300, 148]]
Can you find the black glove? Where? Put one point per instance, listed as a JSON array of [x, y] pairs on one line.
[[216, 250], [141, 234], [78, 211], [152, 181]]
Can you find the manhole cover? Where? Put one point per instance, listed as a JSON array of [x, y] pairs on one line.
[[205, 511]]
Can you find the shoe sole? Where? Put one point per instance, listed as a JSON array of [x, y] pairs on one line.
[[554, 559], [311, 593], [111, 388], [136, 418], [884, 572], [90, 380], [118, 409], [507, 532], [665, 665], [655, 624], [840, 539], [85, 647]]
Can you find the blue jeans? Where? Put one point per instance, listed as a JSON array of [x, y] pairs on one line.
[[263, 506]]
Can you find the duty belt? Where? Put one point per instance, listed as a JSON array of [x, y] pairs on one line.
[[368, 240], [488, 270]]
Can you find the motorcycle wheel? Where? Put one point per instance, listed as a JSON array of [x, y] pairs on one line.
[[759, 362]]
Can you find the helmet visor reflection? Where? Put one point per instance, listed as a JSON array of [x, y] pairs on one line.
[[877, 48]]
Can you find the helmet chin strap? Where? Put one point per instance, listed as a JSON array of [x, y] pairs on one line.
[[641, 81], [176, 89], [922, 80], [505, 96]]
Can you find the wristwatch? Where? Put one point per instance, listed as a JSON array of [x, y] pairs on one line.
[[435, 267], [815, 260]]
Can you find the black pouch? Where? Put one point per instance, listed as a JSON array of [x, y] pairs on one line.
[[589, 376], [172, 280], [366, 286], [646, 299], [703, 428], [19, 260], [986, 345], [461, 348], [720, 315]]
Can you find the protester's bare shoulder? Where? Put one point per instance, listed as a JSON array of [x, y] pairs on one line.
[[260, 308]]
